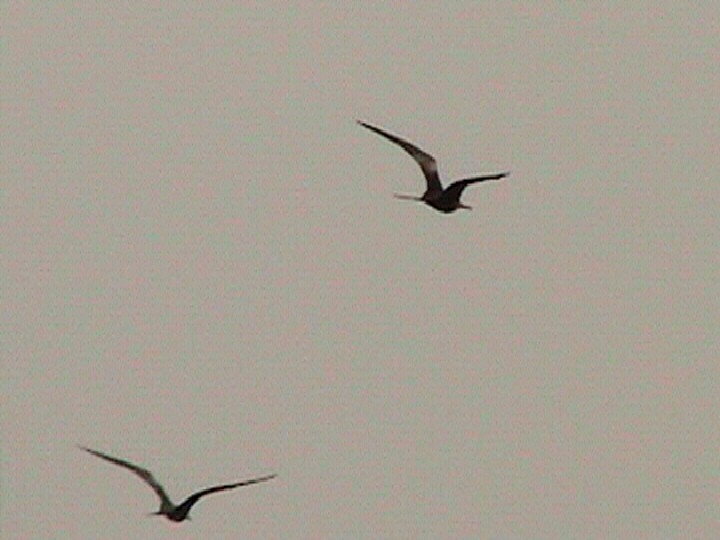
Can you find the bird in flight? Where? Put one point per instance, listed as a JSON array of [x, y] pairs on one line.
[[445, 200], [167, 507]]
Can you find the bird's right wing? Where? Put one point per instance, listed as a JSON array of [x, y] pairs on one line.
[[456, 188], [139, 471], [484, 178], [192, 499], [426, 161]]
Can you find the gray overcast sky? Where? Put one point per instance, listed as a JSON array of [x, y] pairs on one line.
[[205, 271]]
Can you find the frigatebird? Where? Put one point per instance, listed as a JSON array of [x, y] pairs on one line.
[[445, 200], [167, 507]]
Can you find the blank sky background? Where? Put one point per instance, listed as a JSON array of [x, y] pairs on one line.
[[205, 271]]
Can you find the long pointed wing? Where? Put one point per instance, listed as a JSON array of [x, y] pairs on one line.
[[426, 161], [455, 189], [139, 471], [195, 497]]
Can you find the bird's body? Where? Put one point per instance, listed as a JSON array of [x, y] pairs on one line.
[[167, 507], [445, 200]]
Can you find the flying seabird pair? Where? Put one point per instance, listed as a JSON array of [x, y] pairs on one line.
[[445, 200]]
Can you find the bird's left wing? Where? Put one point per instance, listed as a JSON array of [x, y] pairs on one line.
[[426, 161], [145, 474]]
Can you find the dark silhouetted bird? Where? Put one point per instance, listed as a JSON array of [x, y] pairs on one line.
[[167, 508], [445, 200]]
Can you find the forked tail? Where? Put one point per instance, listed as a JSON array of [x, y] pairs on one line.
[[407, 197]]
